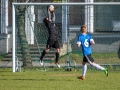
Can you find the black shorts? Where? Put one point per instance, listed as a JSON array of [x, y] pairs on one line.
[[52, 43], [88, 58]]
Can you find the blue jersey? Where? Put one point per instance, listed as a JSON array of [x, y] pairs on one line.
[[84, 40]]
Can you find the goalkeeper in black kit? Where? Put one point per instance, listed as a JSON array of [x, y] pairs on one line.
[[52, 41]]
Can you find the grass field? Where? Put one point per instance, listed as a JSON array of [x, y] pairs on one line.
[[57, 79]]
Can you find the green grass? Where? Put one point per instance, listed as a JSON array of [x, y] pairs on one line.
[[57, 79]]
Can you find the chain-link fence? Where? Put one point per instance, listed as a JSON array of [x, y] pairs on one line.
[[103, 22]]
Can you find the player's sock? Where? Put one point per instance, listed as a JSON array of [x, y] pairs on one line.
[[106, 72], [57, 57], [42, 55], [84, 69], [56, 61], [98, 66]]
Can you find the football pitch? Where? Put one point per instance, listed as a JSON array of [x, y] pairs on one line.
[[58, 79]]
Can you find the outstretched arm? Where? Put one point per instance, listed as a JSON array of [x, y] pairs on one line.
[[51, 14]]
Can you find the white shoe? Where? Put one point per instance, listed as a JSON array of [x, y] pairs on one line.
[[57, 65], [41, 62]]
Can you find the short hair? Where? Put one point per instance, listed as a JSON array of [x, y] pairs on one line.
[[83, 26]]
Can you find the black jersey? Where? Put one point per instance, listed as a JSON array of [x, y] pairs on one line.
[[52, 29]]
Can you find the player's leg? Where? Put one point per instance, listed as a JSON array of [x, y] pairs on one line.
[[42, 55], [57, 57], [48, 46], [91, 62], [84, 68], [57, 46], [100, 68]]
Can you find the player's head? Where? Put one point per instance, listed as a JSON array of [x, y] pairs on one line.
[[45, 21], [51, 8], [83, 29]]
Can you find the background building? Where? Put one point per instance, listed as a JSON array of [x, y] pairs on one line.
[[102, 21]]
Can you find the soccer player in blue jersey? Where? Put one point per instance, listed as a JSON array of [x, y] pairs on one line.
[[85, 41]]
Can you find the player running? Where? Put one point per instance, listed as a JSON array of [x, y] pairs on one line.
[[52, 41], [85, 41]]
